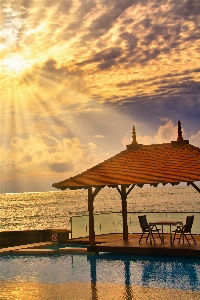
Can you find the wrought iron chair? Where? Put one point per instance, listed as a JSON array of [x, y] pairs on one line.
[[145, 229], [184, 231]]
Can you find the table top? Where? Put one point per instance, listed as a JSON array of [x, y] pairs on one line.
[[166, 223]]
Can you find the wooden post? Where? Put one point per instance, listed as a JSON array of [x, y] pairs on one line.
[[91, 217], [124, 212]]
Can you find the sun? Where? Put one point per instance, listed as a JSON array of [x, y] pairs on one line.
[[15, 63]]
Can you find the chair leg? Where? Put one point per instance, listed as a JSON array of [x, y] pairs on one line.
[[141, 237], [174, 238], [160, 236], [147, 237], [193, 238], [179, 239], [183, 237], [153, 239], [187, 239]]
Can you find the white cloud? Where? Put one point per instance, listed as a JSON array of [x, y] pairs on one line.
[[166, 133], [44, 156], [195, 139], [145, 140]]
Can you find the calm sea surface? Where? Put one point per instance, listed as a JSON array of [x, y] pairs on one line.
[[54, 209]]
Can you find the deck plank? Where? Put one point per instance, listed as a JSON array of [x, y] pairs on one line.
[[115, 243]]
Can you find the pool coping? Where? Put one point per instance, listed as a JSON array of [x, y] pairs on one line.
[[40, 248]]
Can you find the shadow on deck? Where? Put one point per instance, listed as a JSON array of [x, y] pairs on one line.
[[114, 243]]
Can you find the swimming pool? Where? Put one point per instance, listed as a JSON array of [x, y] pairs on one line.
[[127, 270]]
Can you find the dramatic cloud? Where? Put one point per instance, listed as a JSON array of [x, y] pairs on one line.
[[195, 139], [45, 156], [76, 75]]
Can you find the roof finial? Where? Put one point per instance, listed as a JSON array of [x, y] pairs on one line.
[[180, 138], [134, 136]]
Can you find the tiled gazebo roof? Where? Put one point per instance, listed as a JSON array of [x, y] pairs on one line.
[[173, 163]]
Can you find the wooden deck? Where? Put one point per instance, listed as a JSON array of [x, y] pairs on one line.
[[114, 243]]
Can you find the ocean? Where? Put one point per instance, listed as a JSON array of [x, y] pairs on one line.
[[54, 209]]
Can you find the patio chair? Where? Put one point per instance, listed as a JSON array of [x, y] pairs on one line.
[[184, 231], [145, 229]]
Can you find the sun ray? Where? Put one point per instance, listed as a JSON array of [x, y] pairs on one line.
[[14, 63], [82, 69]]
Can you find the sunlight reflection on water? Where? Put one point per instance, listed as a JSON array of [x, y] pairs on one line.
[[160, 272], [54, 209]]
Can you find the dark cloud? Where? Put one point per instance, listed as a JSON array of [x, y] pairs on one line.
[[61, 167], [193, 37], [157, 31], [137, 44], [103, 23], [27, 4], [86, 7], [107, 65], [187, 10], [128, 21], [167, 103], [166, 35], [105, 58], [109, 54], [74, 26], [130, 39], [144, 56], [27, 158], [83, 10], [50, 66], [175, 96], [197, 70], [52, 71], [184, 88], [106, 20], [161, 79], [147, 22]]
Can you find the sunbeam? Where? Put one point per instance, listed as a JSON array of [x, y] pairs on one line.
[[76, 75]]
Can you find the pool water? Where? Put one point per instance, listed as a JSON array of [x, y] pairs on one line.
[[161, 272]]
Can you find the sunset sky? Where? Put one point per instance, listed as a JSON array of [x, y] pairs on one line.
[[77, 75]]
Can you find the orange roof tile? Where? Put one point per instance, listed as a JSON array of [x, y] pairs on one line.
[[142, 164]]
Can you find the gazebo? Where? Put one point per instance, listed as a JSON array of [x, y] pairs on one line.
[[174, 162]]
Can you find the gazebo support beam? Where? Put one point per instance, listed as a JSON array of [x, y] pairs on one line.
[[124, 212], [194, 186], [124, 194], [91, 196]]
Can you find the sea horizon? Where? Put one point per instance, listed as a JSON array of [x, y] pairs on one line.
[[53, 209]]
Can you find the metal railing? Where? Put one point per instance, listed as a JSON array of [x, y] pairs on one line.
[[105, 223]]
